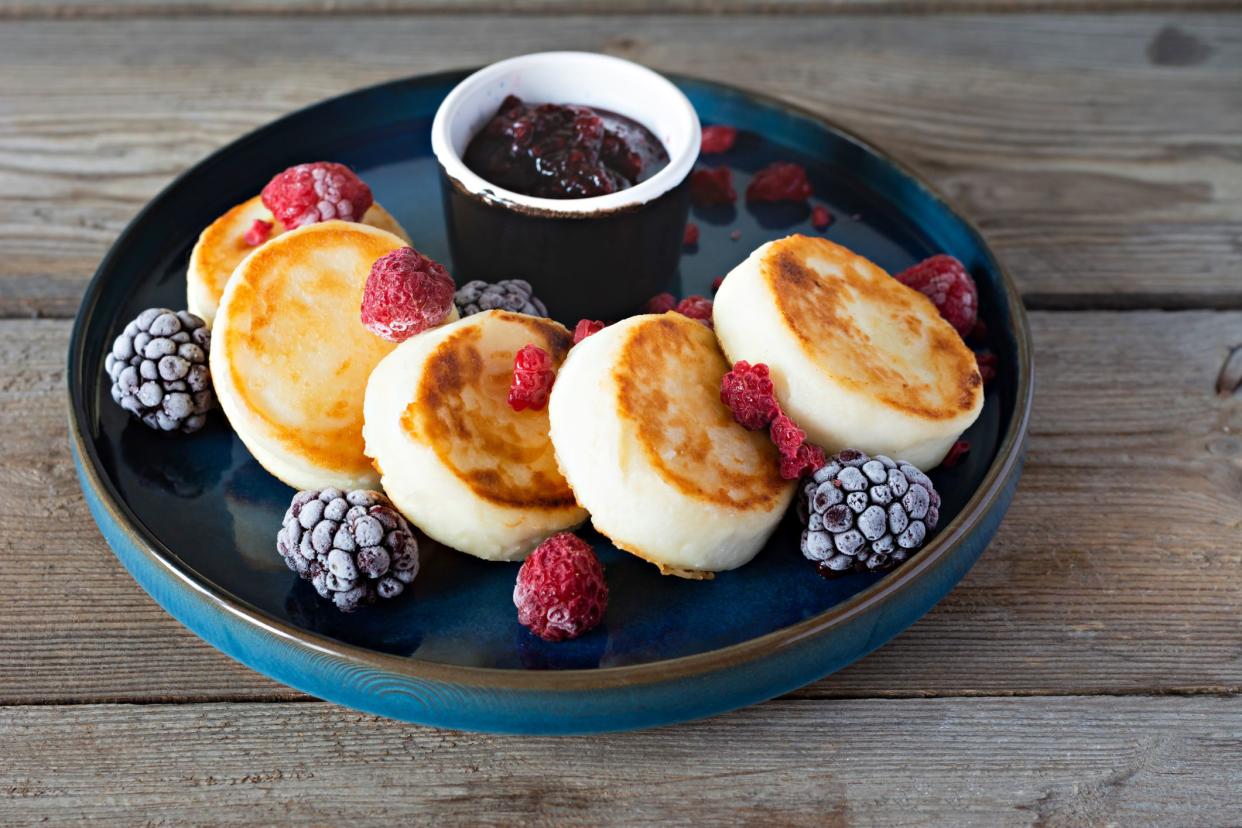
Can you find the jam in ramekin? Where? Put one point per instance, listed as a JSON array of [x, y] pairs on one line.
[[563, 150]]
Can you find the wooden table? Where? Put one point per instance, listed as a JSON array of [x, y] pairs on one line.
[[1088, 670]]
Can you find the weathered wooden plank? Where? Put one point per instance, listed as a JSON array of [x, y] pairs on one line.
[[31, 9], [1100, 153], [959, 762], [1115, 570]]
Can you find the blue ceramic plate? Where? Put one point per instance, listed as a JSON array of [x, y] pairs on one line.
[[194, 519]]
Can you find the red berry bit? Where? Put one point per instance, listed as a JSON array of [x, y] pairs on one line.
[[690, 236], [716, 283], [786, 435], [718, 138], [807, 459], [561, 592], [696, 307], [406, 293], [258, 233], [712, 187], [958, 450], [533, 376], [587, 327], [979, 333], [987, 365], [735, 234], [820, 217], [309, 193], [944, 280], [747, 391], [779, 181], [660, 303]]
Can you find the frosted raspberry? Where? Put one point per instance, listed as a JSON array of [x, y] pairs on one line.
[[710, 187], [956, 452], [786, 434], [561, 592], [690, 236], [660, 303], [944, 280], [696, 307], [716, 283], [406, 293], [718, 138], [587, 327], [987, 365], [747, 391], [258, 233], [532, 379], [820, 217], [807, 459], [779, 181], [309, 193]]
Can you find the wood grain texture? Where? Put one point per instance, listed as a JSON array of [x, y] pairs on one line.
[[923, 762], [1114, 572], [28, 9], [1101, 154]]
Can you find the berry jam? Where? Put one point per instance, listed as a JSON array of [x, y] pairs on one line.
[[563, 150]]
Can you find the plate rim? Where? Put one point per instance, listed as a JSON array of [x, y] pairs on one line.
[[1008, 457]]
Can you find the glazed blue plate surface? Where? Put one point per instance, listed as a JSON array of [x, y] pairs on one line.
[[194, 518]]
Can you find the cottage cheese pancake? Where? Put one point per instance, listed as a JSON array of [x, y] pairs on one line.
[[652, 453], [455, 459], [290, 357], [857, 358], [222, 246]]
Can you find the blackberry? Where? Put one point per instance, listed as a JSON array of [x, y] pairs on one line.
[[865, 514], [353, 547], [159, 373], [509, 294]]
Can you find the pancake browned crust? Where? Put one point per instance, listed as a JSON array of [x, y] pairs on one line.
[[290, 356], [222, 246]]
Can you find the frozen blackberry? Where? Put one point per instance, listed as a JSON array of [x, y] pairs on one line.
[[159, 373], [353, 547], [509, 294], [865, 514]]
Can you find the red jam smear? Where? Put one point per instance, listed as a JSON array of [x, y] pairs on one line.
[[563, 150]]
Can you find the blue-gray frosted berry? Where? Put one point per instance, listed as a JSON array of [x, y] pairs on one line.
[[514, 295], [158, 367], [354, 547], [865, 514]]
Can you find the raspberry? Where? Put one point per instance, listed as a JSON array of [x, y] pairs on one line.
[[690, 236], [956, 452], [779, 181], [710, 187], [258, 233], [820, 217], [987, 365], [696, 307], [561, 592], [406, 293], [747, 391], [718, 138], [716, 283], [944, 280], [807, 459], [786, 434], [660, 303], [587, 327], [532, 379], [320, 191]]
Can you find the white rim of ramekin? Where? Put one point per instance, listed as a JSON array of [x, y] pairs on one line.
[[675, 120]]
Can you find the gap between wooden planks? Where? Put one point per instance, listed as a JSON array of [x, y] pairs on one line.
[[1100, 154], [1115, 571]]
